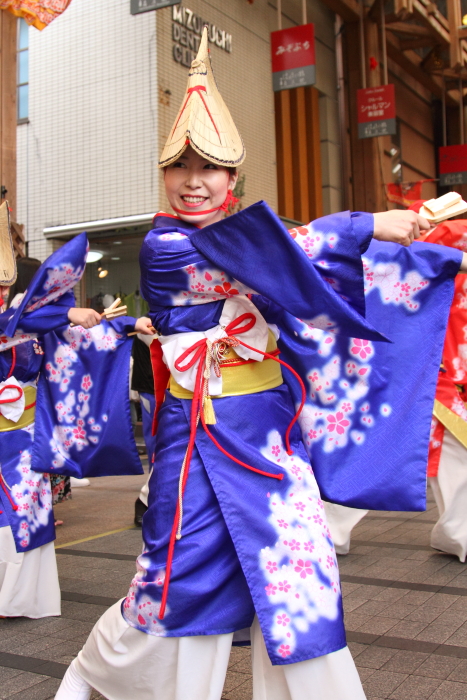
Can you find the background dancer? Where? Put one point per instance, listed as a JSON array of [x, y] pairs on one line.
[[447, 462], [28, 572]]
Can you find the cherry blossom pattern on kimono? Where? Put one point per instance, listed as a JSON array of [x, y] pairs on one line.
[[144, 613], [76, 427], [302, 580], [32, 496]]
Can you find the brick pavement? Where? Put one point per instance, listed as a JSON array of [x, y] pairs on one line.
[[406, 605]]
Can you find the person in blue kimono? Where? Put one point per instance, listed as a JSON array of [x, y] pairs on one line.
[[275, 361], [29, 584]]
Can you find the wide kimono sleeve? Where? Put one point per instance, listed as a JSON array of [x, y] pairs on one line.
[[82, 422], [367, 418], [252, 253]]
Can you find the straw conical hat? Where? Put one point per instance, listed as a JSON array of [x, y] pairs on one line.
[[7, 255], [204, 121]]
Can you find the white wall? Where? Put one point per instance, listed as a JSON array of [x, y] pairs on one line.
[[89, 150]]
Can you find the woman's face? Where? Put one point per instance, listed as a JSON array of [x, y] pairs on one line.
[[194, 185]]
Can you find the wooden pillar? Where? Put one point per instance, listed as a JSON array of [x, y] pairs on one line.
[[298, 151], [300, 169], [315, 189], [365, 159], [8, 28], [454, 12], [284, 154]]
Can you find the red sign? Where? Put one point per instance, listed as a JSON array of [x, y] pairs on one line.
[[376, 103], [452, 159], [453, 165], [293, 57], [293, 47], [376, 111]]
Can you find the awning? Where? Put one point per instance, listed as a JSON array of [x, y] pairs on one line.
[[69, 230]]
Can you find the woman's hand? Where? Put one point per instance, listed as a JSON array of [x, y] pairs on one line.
[[144, 325], [397, 226], [87, 318]]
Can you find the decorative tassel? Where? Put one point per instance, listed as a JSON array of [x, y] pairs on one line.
[[230, 201], [209, 415]]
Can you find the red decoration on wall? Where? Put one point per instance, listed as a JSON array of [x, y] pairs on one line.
[[405, 193]]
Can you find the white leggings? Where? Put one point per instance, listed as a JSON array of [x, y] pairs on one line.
[[73, 686], [122, 662]]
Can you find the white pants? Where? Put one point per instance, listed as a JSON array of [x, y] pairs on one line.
[[450, 491], [28, 581], [121, 663], [144, 493], [341, 521]]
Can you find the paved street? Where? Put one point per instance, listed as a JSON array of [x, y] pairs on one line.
[[406, 605]]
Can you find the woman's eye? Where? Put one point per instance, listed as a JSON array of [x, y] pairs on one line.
[[178, 165], [210, 166]]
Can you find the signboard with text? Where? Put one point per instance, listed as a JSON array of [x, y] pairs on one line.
[[453, 165], [138, 6], [376, 111], [293, 57]]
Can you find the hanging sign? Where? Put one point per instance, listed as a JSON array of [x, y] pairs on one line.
[[453, 165], [138, 6], [376, 111], [293, 57]]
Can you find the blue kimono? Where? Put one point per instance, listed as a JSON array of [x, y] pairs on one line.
[[252, 543], [363, 325], [78, 428]]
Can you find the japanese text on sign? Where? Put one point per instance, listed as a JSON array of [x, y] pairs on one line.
[[293, 57], [298, 46], [376, 111]]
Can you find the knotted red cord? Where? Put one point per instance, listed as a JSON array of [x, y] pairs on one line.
[[13, 362], [230, 201], [3, 485], [197, 353], [11, 386]]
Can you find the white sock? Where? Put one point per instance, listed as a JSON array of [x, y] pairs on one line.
[[73, 686]]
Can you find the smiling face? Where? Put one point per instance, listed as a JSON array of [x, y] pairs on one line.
[[194, 186]]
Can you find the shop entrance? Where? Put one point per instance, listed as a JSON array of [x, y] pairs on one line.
[[116, 273]]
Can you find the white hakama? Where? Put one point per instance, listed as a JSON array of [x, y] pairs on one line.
[[122, 662], [341, 521], [450, 491], [28, 580]]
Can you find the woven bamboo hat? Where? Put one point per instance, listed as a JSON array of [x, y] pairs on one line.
[[7, 255], [204, 121]]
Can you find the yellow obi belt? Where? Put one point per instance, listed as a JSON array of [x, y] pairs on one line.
[[239, 376], [28, 416]]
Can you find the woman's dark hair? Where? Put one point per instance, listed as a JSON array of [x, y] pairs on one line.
[[27, 268]]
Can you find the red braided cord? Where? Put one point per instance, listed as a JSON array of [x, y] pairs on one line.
[[302, 387], [2, 484], [13, 362], [190, 91], [11, 386], [210, 115], [198, 351], [191, 443]]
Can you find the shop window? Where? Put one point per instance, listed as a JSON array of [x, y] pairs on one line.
[[22, 79], [298, 154]]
